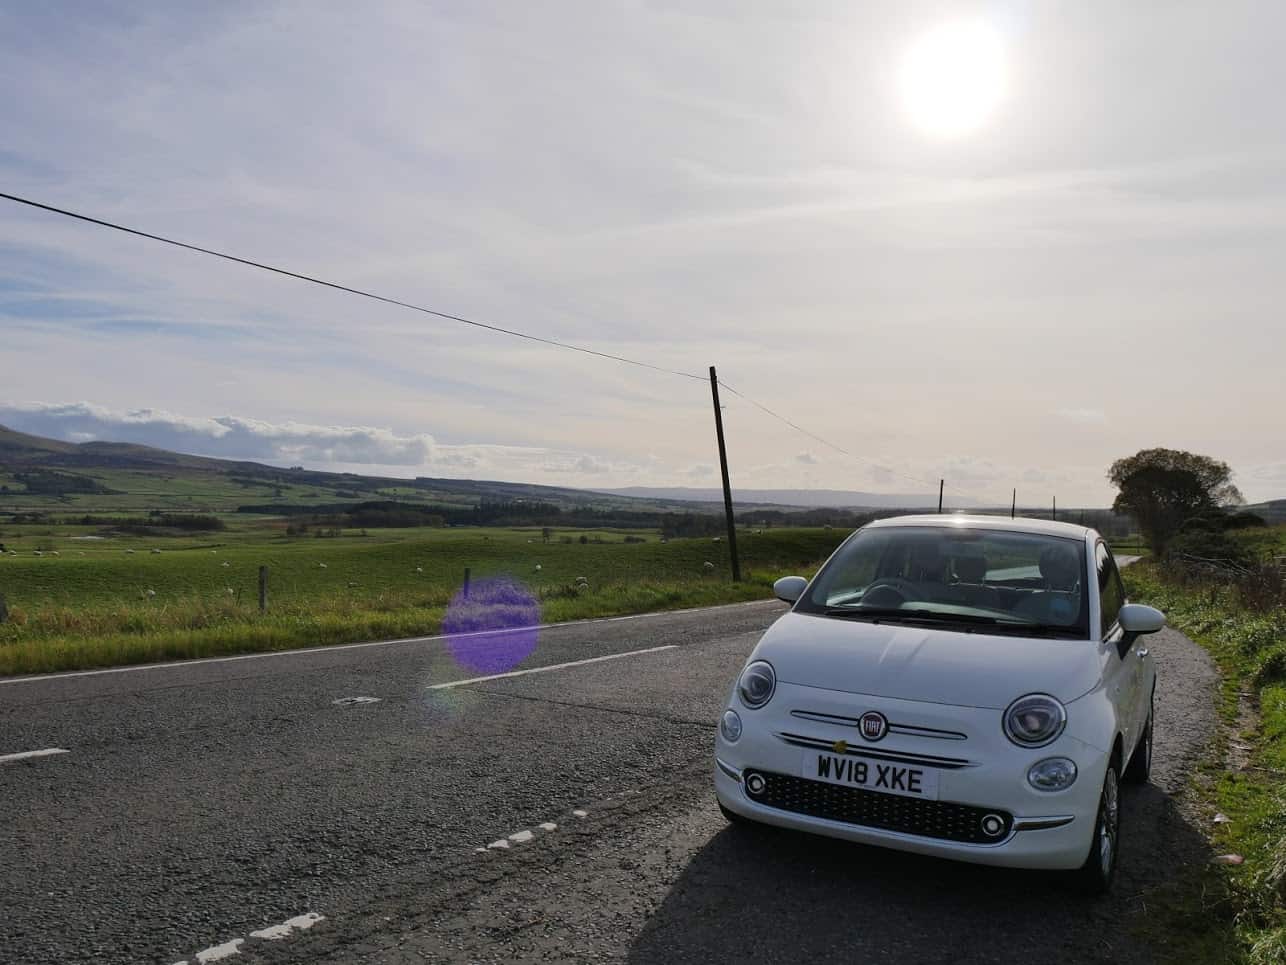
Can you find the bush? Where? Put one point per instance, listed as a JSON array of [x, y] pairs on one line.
[[1207, 545], [1245, 521]]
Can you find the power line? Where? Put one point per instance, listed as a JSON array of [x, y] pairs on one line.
[[826, 442], [352, 291], [555, 343]]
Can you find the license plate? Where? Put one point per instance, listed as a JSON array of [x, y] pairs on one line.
[[871, 775]]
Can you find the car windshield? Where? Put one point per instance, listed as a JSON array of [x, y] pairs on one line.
[[959, 577]]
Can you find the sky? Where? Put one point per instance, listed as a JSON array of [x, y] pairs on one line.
[[1092, 268]]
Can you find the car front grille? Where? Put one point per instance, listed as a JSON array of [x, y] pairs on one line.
[[873, 809]]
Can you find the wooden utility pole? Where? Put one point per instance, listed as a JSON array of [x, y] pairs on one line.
[[1013, 507], [941, 483], [263, 589], [1055, 514], [727, 488]]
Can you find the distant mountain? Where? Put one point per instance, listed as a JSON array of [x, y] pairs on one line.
[[811, 498], [1273, 511], [39, 473]]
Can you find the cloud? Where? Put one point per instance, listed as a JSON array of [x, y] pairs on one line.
[[1085, 417], [228, 437]]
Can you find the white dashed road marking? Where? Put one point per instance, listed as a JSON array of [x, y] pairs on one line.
[[350, 701], [523, 836], [278, 932], [272, 933], [552, 666], [217, 953], [27, 755]]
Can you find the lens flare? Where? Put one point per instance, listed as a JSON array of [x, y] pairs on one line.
[[494, 628]]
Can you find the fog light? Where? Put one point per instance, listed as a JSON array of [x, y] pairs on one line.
[[730, 726], [755, 783], [993, 825], [1052, 774]]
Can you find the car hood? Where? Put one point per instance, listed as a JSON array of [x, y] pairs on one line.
[[925, 663]]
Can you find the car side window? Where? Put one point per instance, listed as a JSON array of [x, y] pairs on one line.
[[1111, 594]]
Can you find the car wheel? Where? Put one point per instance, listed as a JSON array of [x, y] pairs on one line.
[[1140, 767], [1096, 875]]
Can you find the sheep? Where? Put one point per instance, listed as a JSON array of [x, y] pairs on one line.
[[54, 553], [129, 552], [716, 539], [537, 567], [321, 566], [708, 565], [230, 591], [37, 553], [155, 550], [225, 563], [352, 583], [151, 593], [419, 569], [581, 579]]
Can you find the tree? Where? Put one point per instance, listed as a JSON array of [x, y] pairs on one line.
[[1163, 488]]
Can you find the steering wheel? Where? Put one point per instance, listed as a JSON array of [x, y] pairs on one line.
[[891, 591]]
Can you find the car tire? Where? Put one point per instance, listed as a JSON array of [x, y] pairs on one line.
[[1140, 767], [1099, 870]]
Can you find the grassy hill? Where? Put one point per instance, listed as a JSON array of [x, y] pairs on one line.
[[41, 475]]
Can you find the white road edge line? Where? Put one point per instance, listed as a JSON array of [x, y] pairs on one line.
[[25, 755], [552, 666], [371, 643]]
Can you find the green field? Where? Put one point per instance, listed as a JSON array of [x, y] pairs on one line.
[[112, 599]]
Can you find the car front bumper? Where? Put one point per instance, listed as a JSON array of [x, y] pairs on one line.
[[1048, 830]]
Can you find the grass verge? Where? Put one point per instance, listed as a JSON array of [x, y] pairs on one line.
[[1239, 912], [195, 627]]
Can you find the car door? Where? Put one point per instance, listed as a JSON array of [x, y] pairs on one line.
[[1127, 668]]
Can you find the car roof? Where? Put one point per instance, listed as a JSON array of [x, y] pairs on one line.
[[1043, 527]]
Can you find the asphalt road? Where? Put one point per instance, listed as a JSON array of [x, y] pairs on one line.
[[200, 803]]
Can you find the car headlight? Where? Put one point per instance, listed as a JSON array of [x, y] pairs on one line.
[[757, 683], [1035, 720], [1052, 774], [730, 726]]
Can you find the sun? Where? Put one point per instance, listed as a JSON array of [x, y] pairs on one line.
[[953, 77]]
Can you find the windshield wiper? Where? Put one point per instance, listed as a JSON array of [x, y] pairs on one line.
[[900, 613]]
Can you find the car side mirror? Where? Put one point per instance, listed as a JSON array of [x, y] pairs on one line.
[[1137, 619], [789, 588]]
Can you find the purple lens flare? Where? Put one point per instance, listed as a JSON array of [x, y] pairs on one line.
[[494, 628]]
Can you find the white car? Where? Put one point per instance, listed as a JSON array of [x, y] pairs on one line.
[[969, 687]]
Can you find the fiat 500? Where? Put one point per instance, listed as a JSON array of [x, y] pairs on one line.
[[968, 687]]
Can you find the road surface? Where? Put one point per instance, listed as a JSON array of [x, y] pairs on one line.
[[250, 810]]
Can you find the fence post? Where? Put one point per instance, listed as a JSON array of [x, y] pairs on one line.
[[466, 582], [4, 610], [263, 589]]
